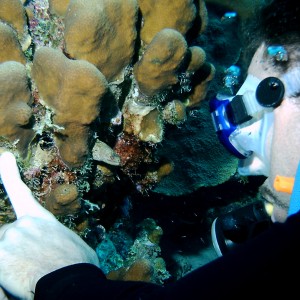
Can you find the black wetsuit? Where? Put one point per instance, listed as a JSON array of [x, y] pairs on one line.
[[267, 266]]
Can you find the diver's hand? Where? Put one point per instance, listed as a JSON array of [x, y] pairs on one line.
[[32, 247], [36, 243]]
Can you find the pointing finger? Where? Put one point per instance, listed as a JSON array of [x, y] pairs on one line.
[[20, 196]]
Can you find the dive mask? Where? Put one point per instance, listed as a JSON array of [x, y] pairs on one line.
[[243, 121]]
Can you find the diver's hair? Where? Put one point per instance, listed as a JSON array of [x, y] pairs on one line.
[[280, 22], [276, 22]]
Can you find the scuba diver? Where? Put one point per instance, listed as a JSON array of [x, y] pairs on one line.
[[261, 126]]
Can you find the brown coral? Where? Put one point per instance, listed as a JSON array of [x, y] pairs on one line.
[[103, 33], [174, 112], [13, 13], [202, 18], [198, 57], [164, 170], [201, 79], [73, 89], [58, 7], [160, 14], [63, 200], [140, 270], [15, 112], [74, 143], [10, 46], [157, 70]]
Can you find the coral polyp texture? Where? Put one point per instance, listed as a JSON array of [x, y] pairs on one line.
[[92, 92]]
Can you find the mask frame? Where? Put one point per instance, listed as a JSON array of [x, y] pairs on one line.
[[243, 121]]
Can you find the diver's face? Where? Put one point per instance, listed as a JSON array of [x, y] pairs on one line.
[[283, 142]]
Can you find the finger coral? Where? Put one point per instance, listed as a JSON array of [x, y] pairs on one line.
[[11, 48], [201, 79], [58, 7], [158, 68], [13, 13], [103, 33], [15, 100], [197, 59], [160, 14], [73, 90], [64, 199]]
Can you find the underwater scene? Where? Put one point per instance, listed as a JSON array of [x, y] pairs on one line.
[[105, 104]]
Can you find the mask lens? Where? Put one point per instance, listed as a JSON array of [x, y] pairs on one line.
[[269, 92]]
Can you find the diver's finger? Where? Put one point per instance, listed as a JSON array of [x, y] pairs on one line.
[[19, 194]]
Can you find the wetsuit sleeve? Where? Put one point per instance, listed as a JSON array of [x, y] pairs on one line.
[[262, 267], [86, 281]]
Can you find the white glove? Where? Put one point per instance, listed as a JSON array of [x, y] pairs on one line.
[[36, 243]]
